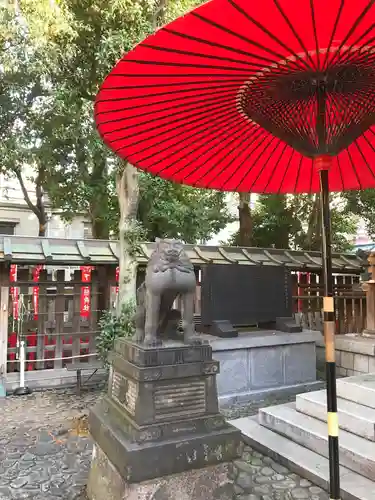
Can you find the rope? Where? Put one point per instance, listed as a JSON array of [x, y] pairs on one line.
[[54, 359]]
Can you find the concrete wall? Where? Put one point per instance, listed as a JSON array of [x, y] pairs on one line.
[[256, 365], [355, 355]]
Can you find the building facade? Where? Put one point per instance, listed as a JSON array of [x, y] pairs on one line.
[[16, 218]]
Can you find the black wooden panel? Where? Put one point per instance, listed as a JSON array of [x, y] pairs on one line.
[[245, 295]]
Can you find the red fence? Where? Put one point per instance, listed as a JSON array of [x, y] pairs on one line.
[[56, 314]]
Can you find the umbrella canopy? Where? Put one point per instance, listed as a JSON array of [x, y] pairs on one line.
[[241, 95], [276, 96]]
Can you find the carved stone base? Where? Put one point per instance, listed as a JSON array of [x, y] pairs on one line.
[[161, 416], [138, 462], [210, 483]]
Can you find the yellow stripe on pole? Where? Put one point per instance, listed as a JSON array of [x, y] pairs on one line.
[[333, 424], [328, 305]]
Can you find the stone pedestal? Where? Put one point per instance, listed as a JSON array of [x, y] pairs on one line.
[[209, 483], [159, 418]]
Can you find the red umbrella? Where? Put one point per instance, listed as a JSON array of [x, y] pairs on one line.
[[276, 96]]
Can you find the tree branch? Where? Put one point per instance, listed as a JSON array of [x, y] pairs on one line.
[[26, 196]]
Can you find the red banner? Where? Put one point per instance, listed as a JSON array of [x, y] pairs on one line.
[[117, 278], [14, 290], [36, 275], [86, 291]]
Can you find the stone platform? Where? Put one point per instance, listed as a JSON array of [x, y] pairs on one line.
[[260, 363], [296, 435], [159, 418], [355, 354]]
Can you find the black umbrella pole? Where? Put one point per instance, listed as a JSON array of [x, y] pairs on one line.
[[329, 337]]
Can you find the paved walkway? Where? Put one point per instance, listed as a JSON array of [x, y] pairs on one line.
[[260, 478], [45, 453]]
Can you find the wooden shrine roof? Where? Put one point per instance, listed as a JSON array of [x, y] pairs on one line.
[[53, 251]]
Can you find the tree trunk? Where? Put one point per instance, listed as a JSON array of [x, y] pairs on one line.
[[99, 229], [128, 197], [246, 222], [313, 229], [99, 201], [39, 208]]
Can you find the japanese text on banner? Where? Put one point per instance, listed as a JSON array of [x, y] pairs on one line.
[[86, 291], [36, 275], [14, 290]]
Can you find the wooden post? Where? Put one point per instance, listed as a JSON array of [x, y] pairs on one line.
[[369, 288], [4, 304], [93, 313], [59, 318], [76, 323], [42, 318], [106, 278]]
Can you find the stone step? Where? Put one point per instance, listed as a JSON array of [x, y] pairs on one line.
[[359, 389], [353, 417], [302, 461], [356, 453]]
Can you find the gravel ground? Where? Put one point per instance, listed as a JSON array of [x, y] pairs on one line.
[[45, 452]]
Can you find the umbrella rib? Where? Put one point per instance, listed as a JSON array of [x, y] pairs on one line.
[[208, 116], [366, 104], [266, 31], [353, 28], [207, 132], [224, 117], [265, 165], [180, 75], [363, 57], [222, 98], [202, 55], [364, 159], [339, 13], [294, 31], [161, 94], [285, 172], [237, 188], [213, 155], [182, 65], [214, 105], [241, 150], [340, 172], [207, 90], [275, 167], [227, 47], [354, 169], [248, 40], [232, 174], [244, 160], [313, 18], [268, 118], [155, 85], [311, 177], [347, 108], [232, 121], [369, 143], [205, 150], [348, 54], [211, 114], [298, 174]]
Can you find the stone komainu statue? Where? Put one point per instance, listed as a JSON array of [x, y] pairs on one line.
[[169, 274]]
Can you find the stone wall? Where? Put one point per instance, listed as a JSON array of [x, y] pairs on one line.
[[355, 355], [256, 364]]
